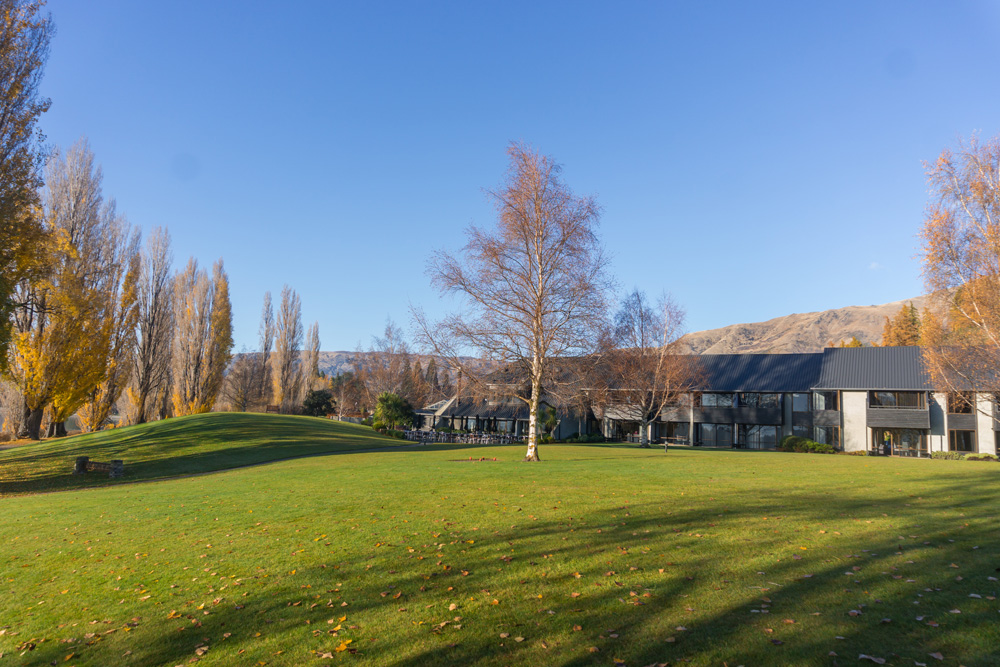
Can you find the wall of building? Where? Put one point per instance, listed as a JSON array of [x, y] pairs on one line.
[[937, 441], [985, 440], [854, 406]]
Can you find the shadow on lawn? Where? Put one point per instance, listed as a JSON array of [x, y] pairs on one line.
[[171, 448], [733, 633]]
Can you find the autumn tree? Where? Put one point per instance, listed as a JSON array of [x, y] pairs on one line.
[[64, 322], [25, 33], [203, 337], [961, 265], [533, 286], [120, 319], [903, 328], [385, 366], [348, 394], [286, 367], [643, 372], [150, 386]]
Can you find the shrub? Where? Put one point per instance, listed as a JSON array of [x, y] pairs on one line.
[[318, 403], [981, 457], [951, 456], [393, 433], [378, 425], [794, 443]]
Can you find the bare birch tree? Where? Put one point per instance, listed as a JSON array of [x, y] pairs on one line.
[[154, 329], [643, 372], [534, 286], [286, 368]]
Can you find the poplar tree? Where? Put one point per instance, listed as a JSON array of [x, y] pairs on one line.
[[203, 338], [64, 324], [286, 369], [262, 365], [24, 47], [122, 314], [311, 376], [154, 329]]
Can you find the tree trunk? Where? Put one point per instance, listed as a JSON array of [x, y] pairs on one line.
[[33, 423], [644, 434], [140, 407], [536, 387], [56, 430]]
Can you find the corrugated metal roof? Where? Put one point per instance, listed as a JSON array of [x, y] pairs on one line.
[[898, 368], [506, 409], [760, 372]]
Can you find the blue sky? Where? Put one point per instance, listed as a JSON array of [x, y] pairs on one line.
[[753, 159]]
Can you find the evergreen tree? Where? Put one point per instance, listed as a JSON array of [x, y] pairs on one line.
[[903, 328]]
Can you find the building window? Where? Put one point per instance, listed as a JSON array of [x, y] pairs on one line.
[[756, 400], [715, 435], [960, 403], [828, 435], [800, 402], [962, 441], [755, 436], [900, 441], [897, 399], [826, 400], [801, 431], [716, 400]]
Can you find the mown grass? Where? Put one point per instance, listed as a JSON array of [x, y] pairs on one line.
[[598, 555], [182, 446]]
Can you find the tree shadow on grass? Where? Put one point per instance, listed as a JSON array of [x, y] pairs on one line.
[[753, 577]]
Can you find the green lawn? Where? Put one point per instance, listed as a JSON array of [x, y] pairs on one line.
[[599, 555], [183, 446]]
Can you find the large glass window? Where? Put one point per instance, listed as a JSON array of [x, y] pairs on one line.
[[800, 402], [960, 403], [675, 432], [900, 441], [897, 399], [757, 400], [716, 435], [828, 435], [802, 431], [716, 400], [826, 400], [962, 441], [755, 436]]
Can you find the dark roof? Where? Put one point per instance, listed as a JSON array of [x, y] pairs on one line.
[[503, 409], [893, 368], [760, 372]]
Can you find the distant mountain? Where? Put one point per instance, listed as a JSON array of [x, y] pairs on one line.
[[801, 332]]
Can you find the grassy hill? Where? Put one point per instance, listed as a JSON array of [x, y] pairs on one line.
[[181, 446], [600, 554]]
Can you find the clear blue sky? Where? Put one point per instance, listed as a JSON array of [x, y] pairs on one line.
[[754, 159]]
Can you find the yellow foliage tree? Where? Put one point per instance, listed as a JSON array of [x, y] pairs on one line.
[[63, 329], [203, 337], [24, 45]]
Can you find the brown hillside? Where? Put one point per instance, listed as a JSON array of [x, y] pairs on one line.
[[801, 332]]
